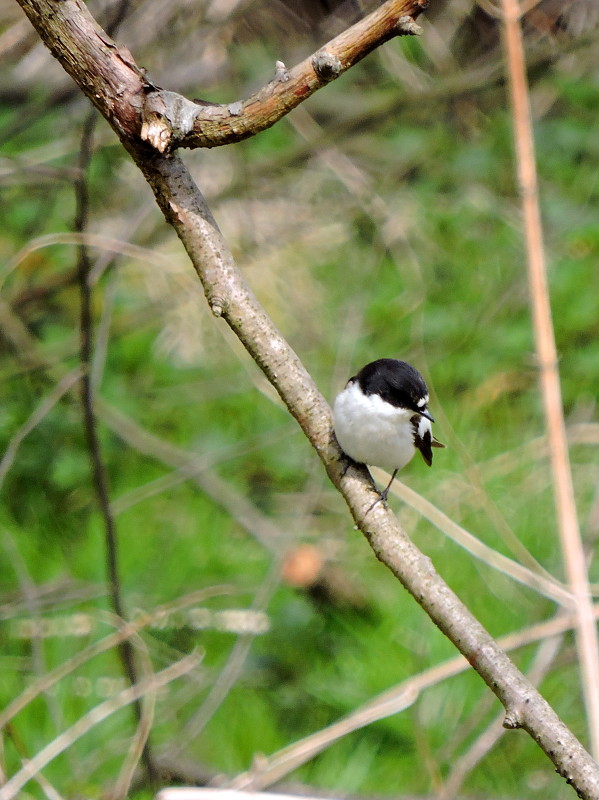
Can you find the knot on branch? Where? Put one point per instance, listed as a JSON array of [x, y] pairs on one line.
[[407, 27], [512, 719], [167, 117], [217, 305], [326, 66], [236, 108]]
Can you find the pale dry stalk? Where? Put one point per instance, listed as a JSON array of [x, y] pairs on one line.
[[569, 531]]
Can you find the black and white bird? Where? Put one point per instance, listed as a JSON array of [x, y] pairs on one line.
[[381, 418]]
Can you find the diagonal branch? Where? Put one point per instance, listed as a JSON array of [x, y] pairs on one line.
[[229, 297]]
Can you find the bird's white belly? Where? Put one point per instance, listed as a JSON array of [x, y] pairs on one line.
[[371, 431]]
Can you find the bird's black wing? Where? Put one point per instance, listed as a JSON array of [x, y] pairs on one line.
[[424, 443]]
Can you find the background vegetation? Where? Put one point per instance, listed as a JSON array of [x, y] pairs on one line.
[[378, 219]]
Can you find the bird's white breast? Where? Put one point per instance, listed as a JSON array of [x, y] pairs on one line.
[[372, 431]]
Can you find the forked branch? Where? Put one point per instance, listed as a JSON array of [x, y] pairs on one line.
[[135, 107]]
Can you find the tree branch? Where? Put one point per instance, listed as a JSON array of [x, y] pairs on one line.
[[171, 120], [90, 429], [109, 76], [230, 298]]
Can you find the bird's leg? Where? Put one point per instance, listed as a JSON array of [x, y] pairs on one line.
[[385, 491], [349, 462], [383, 495]]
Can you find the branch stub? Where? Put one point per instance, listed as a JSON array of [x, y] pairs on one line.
[[408, 27], [512, 720], [281, 72], [326, 66]]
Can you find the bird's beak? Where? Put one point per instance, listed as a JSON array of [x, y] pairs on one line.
[[427, 415]]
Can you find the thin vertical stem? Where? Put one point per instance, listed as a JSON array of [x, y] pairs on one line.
[[98, 469], [569, 531]]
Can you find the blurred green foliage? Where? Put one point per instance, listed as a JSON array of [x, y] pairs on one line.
[[391, 228]]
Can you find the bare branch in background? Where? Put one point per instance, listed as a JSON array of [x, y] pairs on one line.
[[99, 473], [46, 405], [101, 712]]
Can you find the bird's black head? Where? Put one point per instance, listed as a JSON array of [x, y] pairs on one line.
[[397, 383]]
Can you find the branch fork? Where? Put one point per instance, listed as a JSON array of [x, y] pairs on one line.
[[170, 120]]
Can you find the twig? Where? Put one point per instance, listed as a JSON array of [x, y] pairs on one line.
[[270, 769], [99, 476], [587, 638], [171, 120], [53, 595], [98, 714], [31, 600], [102, 336], [232, 669], [19, 746], [539, 582], [142, 734], [100, 479], [47, 788], [125, 631], [197, 469], [44, 408]]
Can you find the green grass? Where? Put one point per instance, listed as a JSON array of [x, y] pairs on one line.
[[440, 282]]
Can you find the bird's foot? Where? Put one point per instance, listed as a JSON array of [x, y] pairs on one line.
[[347, 463], [382, 497]]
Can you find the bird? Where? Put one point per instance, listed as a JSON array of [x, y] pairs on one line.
[[381, 417]]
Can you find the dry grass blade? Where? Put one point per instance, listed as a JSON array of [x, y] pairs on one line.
[[231, 671], [585, 433], [93, 718], [195, 468], [268, 770], [543, 584], [49, 679], [44, 408], [88, 240]]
